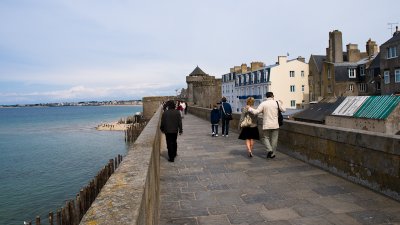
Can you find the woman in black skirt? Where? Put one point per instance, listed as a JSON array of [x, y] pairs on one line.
[[248, 126]]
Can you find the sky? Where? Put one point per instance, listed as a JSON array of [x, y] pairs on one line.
[[97, 50]]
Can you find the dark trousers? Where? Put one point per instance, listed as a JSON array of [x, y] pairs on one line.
[[214, 128], [225, 126], [172, 146]]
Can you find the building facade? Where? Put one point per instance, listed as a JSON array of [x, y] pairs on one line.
[[288, 79], [390, 64], [350, 73]]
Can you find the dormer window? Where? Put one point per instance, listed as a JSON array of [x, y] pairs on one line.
[[352, 72]]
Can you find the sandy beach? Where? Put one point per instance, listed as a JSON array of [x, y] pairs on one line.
[[115, 126]]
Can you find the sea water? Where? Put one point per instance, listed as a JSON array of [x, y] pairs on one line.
[[47, 154]]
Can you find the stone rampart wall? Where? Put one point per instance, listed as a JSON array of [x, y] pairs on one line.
[[367, 158], [151, 104], [132, 194]]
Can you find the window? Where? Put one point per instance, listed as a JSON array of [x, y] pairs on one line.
[[291, 74], [352, 72], [329, 89], [302, 73], [362, 71], [351, 87], [292, 88], [302, 88], [293, 103], [397, 76], [363, 87], [329, 73], [378, 86], [391, 52], [386, 77]]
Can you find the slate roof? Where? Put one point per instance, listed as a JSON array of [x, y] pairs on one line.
[[341, 73], [316, 113], [376, 61], [318, 59], [198, 72], [396, 37]]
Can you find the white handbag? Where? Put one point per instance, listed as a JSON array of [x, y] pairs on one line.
[[246, 121]]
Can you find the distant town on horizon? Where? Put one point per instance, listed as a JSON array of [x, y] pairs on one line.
[[80, 103]]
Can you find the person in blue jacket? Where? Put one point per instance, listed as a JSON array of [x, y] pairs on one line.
[[214, 118], [226, 116]]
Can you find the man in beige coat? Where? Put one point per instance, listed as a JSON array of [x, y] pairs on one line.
[[269, 109]]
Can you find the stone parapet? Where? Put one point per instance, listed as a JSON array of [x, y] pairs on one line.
[[152, 103], [132, 194], [367, 158]]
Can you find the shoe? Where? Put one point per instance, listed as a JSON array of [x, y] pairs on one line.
[[270, 155], [216, 135], [170, 160], [213, 134], [250, 154], [226, 135], [223, 135]]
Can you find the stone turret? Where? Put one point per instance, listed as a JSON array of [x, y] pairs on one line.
[[202, 89]]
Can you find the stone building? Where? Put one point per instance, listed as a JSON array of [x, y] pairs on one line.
[[287, 79], [390, 64], [350, 73], [202, 90]]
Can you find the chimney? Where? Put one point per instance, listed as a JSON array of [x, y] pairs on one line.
[[244, 67], [335, 49], [282, 60], [371, 47], [301, 59], [397, 31], [353, 54], [256, 65]]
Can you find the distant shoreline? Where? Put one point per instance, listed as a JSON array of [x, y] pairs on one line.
[[47, 106]]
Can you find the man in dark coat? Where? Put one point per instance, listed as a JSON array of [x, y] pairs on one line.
[[225, 109], [171, 125]]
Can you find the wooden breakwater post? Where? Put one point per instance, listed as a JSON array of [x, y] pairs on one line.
[[74, 210], [133, 132]]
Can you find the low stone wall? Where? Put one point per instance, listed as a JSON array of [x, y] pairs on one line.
[[132, 194], [367, 158]]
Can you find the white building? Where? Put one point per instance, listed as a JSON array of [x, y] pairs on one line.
[[287, 79]]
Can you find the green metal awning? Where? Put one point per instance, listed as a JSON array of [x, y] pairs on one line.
[[377, 107]]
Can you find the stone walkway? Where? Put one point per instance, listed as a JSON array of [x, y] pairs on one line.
[[213, 182]]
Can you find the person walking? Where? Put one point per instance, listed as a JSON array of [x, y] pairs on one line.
[[171, 125], [269, 109], [248, 124], [226, 116], [215, 116], [179, 108]]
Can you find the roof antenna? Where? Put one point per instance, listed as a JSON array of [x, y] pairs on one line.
[[391, 27]]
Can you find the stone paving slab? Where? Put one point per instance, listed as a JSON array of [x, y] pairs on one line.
[[213, 182]]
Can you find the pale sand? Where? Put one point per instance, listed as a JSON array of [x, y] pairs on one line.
[[113, 126]]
